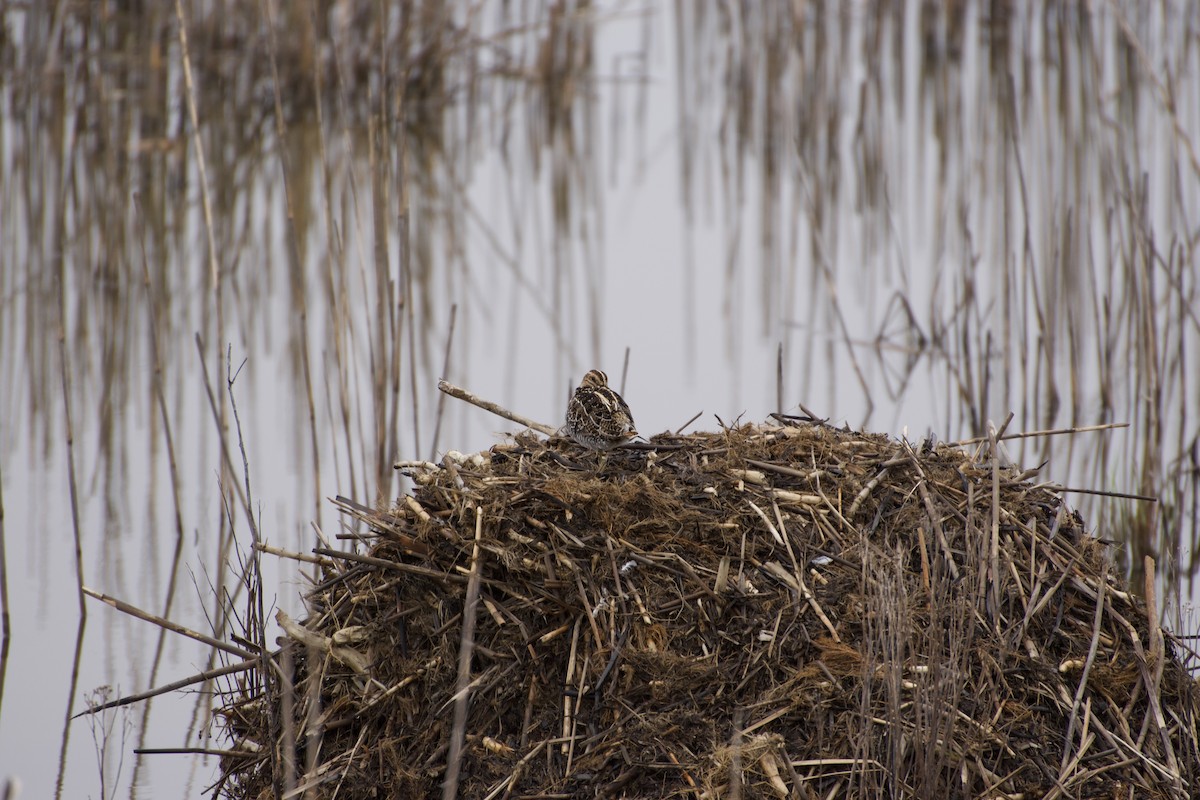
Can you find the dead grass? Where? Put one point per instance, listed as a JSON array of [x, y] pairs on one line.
[[763, 611]]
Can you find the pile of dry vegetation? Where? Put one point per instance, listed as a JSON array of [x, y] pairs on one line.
[[766, 611]]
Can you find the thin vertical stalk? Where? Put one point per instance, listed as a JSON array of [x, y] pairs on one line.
[[441, 406], [60, 228], [5, 629], [466, 648]]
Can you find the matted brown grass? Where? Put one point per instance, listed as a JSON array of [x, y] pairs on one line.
[[788, 610]]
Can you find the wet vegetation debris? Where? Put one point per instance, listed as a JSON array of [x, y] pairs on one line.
[[764, 611]]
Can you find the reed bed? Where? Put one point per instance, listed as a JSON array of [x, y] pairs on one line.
[[772, 610]]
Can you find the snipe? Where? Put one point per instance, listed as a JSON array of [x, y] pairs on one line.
[[597, 417]]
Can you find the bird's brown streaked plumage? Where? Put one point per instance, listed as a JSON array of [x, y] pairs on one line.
[[597, 417]]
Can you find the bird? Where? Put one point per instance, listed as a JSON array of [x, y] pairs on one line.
[[597, 417]]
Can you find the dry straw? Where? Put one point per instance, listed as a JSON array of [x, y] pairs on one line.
[[786, 610]]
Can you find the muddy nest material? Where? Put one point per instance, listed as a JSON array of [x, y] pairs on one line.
[[765, 611]]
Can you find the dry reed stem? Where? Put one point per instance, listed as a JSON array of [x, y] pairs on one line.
[[466, 647], [285, 669], [203, 751], [65, 373], [934, 519], [441, 404], [282, 553], [201, 677], [215, 407], [126, 608], [487, 405], [314, 725], [1148, 498], [5, 625], [1083, 677], [255, 624], [994, 552], [1034, 434]]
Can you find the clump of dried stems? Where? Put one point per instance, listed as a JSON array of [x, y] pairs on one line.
[[777, 610]]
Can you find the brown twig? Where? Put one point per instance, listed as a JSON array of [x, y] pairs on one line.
[[441, 404], [1104, 493], [305, 557], [201, 677], [5, 628], [382, 563], [489, 406], [201, 751], [65, 372], [122, 606], [1051, 432], [458, 730], [1087, 669], [684, 426]]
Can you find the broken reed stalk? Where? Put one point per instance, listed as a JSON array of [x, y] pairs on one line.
[[1154, 682], [1148, 498], [489, 406], [65, 370], [399, 135], [412, 569], [441, 404], [685, 425], [122, 606], [287, 712], [458, 728], [1087, 669], [200, 677], [223, 596], [256, 623], [5, 625], [201, 751], [624, 370], [305, 557], [994, 551], [1032, 434]]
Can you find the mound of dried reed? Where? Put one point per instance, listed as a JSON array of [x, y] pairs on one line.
[[766, 611]]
